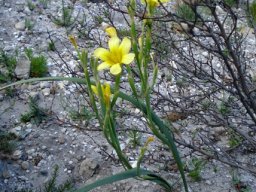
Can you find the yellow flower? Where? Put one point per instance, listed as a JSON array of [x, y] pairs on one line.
[[149, 140], [117, 55], [111, 31], [140, 42], [105, 90], [73, 40], [154, 3]]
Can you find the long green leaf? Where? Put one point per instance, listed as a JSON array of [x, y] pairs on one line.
[[132, 173]]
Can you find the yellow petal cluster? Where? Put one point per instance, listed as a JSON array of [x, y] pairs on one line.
[[154, 3], [116, 55], [105, 90], [111, 31], [149, 140], [72, 39]]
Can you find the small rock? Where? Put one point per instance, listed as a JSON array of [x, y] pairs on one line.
[[20, 26], [30, 151], [22, 69], [6, 174], [28, 130], [17, 154], [88, 167], [44, 172], [18, 128], [45, 85], [23, 178], [61, 139], [25, 165], [44, 147], [6, 181], [46, 91], [70, 166], [63, 130], [33, 94], [15, 132]]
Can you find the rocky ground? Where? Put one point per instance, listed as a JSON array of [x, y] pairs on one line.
[[81, 155]]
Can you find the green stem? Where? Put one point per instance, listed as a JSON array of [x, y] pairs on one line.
[[165, 135]]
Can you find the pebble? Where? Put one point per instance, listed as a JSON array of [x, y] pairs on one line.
[[22, 69], [23, 178], [63, 130], [61, 139], [44, 147], [44, 172], [20, 26], [1, 97], [6, 174], [18, 128], [17, 154], [45, 85], [30, 151], [46, 91], [88, 166], [25, 165]]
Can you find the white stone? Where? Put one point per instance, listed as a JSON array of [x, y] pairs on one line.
[[46, 91], [20, 25], [17, 154]]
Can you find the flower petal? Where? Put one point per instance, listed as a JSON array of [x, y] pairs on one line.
[[94, 89], [164, 1], [103, 65], [111, 31], [113, 43], [128, 58], [115, 69], [101, 53], [125, 45], [107, 92]]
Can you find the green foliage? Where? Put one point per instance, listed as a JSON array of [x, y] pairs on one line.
[[7, 67], [224, 108], [134, 137], [10, 92], [185, 12], [51, 46], [7, 144], [31, 5], [131, 173], [35, 113], [238, 184], [230, 3], [51, 186], [252, 14], [234, 139], [38, 66], [44, 3], [195, 167], [98, 19], [65, 19], [181, 83], [29, 53], [81, 115], [28, 24], [206, 104]]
